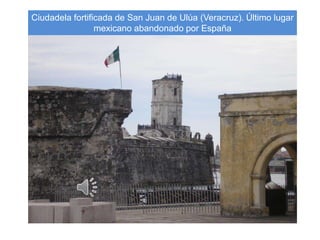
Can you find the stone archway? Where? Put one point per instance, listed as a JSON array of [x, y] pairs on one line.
[[259, 170], [253, 126]]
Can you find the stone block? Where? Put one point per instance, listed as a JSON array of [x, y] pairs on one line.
[[81, 214], [101, 212], [62, 213], [41, 213], [104, 212], [78, 210], [80, 201]]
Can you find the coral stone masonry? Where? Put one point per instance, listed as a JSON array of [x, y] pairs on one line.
[[75, 134]]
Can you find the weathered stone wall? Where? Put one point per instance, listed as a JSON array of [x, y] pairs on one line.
[[163, 160], [253, 127], [173, 132], [76, 134]]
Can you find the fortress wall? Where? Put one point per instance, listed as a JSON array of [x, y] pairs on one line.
[[75, 134], [165, 161]]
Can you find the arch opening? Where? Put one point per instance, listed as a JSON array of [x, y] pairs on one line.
[[276, 168], [280, 184]]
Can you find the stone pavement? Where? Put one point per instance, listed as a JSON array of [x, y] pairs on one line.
[[138, 216]]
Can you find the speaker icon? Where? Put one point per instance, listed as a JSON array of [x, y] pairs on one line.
[[88, 187]]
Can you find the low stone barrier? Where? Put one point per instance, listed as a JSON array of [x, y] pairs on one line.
[[78, 210]]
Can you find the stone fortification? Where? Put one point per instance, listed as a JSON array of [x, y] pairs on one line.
[[75, 134], [163, 160]]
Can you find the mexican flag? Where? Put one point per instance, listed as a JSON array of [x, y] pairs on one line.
[[113, 57]]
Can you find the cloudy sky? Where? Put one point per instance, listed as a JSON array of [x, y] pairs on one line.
[[209, 65]]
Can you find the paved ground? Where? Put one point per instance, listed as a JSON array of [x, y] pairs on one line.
[[138, 216]]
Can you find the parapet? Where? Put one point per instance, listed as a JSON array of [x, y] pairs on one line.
[[60, 111], [78, 210]]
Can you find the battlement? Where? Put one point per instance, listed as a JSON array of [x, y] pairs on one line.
[[170, 131], [172, 77]]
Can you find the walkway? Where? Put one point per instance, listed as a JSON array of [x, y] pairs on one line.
[[137, 216]]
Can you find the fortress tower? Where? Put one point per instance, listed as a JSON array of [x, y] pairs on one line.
[[166, 110], [166, 105]]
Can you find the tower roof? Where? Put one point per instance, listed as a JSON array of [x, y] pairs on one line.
[[172, 76]]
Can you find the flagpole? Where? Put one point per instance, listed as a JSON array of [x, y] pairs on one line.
[[120, 73]]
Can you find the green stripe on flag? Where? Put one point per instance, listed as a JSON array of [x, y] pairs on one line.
[[116, 55]]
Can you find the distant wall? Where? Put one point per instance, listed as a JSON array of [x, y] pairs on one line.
[[171, 131], [165, 160]]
